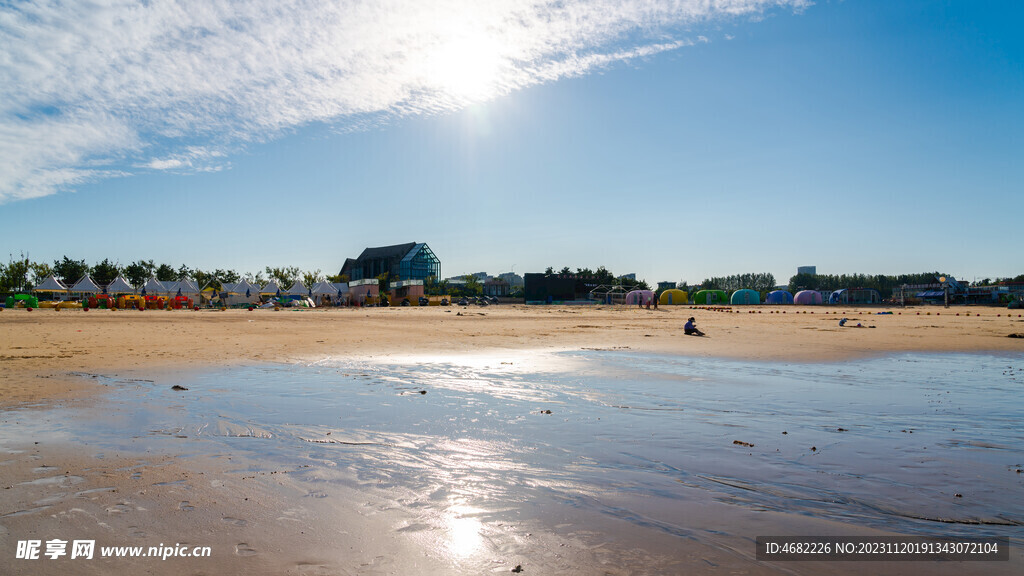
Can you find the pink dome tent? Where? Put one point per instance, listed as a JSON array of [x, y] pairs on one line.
[[807, 297], [639, 297]]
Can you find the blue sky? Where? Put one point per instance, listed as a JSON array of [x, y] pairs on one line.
[[675, 141]]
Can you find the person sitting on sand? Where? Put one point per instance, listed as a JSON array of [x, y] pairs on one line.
[[842, 322], [690, 328]]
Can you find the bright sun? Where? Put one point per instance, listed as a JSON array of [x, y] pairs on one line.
[[467, 67]]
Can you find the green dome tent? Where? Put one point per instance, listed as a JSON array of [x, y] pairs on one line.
[[711, 297]]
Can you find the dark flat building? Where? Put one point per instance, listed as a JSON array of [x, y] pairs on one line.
[[411, 261]]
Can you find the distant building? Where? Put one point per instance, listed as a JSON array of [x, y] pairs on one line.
[[411, 261], [496, 287], [812, 270], [630, 276], [512, 278], [558, 288], [461, 278], [662, 286]]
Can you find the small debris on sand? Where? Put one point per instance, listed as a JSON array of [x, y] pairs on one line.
[[179, 388], [741, 443]]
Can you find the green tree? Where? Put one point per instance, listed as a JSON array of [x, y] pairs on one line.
[[166, 273], [604, 276], [185, 272], [70, 271], [549, 270], [14, 277], [40, 272], [138, 272], [338, 278], [473, 286], [284, 277], [104, 272], [258, 279], [312, 277]]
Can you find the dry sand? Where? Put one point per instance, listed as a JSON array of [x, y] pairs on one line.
[[264, 525]]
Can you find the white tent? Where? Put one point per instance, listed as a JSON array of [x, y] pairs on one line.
[[186, 286], [297, 289], [271, 288], [239, 293], [85, 285], [153, 287], [51, 284], [120, 286], [324, 288]]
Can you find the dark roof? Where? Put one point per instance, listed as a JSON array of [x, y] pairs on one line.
[[346, 268], [396, 251]]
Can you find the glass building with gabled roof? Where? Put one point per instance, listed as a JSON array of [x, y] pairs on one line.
[[410, 261]]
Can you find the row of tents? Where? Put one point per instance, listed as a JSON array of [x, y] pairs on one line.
[[243, 292], [746, 297]]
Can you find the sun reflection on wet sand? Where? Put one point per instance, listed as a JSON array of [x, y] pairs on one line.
[[463, 530]]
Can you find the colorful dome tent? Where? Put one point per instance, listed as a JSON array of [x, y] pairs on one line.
[[807, 298], [778, 297], [639, 297], [745, 296], [710, 297], [841, 296], [673, 296]]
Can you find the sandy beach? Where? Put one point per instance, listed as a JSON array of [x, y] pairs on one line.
[[259, 522], [41, 347]]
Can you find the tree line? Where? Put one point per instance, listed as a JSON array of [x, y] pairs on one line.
[[22, 274], [885, 285], [762, 282], [603, 276]]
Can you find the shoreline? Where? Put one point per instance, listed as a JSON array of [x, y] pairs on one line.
[[42, 348]]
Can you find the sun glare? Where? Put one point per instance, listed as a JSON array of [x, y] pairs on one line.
[[467, 67], [464, 531]]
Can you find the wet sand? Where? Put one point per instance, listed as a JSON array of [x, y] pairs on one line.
[[263, 521]]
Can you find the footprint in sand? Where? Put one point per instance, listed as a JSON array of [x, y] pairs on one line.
[[235, 521], [185, 506], [243, 549], [311, 569], [120, 508]]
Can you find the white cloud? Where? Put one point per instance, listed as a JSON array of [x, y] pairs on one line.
[[172, 85]]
